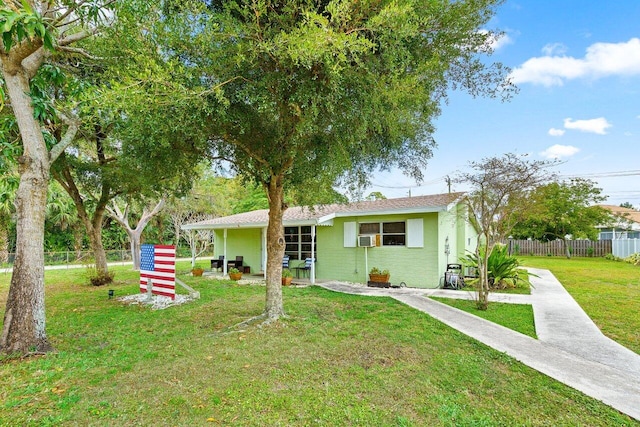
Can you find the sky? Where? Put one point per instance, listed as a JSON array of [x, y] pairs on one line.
[[577, 67]]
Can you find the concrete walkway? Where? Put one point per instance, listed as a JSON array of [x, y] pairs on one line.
[[570, 348]]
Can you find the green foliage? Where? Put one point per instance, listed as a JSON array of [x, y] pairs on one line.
[[633, 259], [376, 270], [503, 269], [23, 25], [286, 272], [97, 278], [561, 209], [612, 257], [233, 270]]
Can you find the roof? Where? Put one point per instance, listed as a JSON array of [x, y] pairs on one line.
[[626, 215], [324, 214]]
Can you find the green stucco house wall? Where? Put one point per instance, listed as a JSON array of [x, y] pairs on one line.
[[414, 238]]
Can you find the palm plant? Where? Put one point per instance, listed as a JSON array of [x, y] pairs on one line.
[[502, 268]]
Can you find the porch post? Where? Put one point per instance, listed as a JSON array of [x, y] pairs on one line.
[[312, 274], [192, 238], [224, 250], [264, 253]]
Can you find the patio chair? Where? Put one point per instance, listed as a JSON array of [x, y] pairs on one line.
[[306, 268], [217, 263], [237, 263], [285, 261]]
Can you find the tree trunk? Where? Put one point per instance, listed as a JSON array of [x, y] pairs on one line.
[[134, 238], [99, 254], [4, 241], [135, 234], [93, 225], [275, 249], [24, 319], [483, 287]]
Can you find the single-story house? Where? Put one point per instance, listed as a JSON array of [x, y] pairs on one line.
[[625, 224], [413, 237]]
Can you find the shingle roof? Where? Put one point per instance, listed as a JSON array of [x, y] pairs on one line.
[[300, 215], [626, 213]]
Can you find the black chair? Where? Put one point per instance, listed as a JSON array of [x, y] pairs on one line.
[[217, 263], [237, 263]]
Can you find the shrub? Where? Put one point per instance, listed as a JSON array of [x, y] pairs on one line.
[[502, 268], [633, 259], [612, 257], [590, 251], [286, 272], [100, 279]]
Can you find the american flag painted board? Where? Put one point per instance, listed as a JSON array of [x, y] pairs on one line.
[[158, 263]]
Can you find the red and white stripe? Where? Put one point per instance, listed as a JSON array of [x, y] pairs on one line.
[[164, 274]]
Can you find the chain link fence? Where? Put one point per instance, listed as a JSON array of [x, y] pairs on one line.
[[116, 256]]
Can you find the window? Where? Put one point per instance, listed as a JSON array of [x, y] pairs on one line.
[[391, 233], [298, 242]]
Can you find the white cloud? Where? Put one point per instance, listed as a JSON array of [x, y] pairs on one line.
[[500, 42], [600, 60], [559, 151], [556, 132], [554, 49], [599, 125], [496, 42]]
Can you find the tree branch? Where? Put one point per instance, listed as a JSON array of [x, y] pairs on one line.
[[67, 139]]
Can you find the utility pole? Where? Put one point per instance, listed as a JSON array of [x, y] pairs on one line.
[[447, 179]]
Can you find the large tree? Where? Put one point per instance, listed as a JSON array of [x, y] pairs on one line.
[[315, 93], [563, 210], [499, 197], [31, 32]]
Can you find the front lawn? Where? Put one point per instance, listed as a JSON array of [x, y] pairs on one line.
[[608, 291], [518, 317], [337, 360]]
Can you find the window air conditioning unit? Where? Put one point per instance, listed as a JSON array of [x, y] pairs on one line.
[[367, 240]]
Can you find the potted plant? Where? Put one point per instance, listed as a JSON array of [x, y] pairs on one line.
[[287, 277], [379, 276], [197, 270], [235, 274]]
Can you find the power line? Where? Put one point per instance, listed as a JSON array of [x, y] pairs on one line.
[[404, 187], [604, 174]]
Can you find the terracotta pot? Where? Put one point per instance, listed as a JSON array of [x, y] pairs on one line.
[[286, 281], [235, 276], [379, 278], [197, 272]]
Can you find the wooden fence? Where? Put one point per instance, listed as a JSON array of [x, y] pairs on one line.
[[580, 248]]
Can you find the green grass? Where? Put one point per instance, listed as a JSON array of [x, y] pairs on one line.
[[518, 317], [608, 291], [337, 360]]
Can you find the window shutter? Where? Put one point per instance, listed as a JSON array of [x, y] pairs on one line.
[[415, 233], [350, 236]]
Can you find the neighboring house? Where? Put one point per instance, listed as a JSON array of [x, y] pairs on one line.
[[413, 237], [625, 224]]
